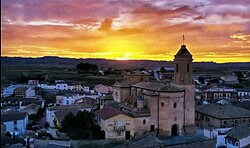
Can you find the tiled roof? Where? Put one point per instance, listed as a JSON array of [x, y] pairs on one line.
[[239, 132], [122, 84], [12, 116], [157, 86], [73, 106], [245, 105], [107, 112], [108, 97], [223, 111]]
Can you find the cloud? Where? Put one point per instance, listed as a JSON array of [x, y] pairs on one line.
[[106, 25]]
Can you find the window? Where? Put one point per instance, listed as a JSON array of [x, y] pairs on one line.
[[207, 119], [15, 124], [144, 121], [174, 105], [110, 134], [225, 122], [176, 68], [187, 67], [110, 124], [236, 121], [162, 104], [202, 117], [119, 133], [127, 123]]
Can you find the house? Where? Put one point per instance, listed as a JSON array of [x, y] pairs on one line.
[[33, 82], [229, 79], [70, 98], [136, 76], [214, 118], [50, 111], [236, 137], [217, 93], [15, 122], [8, 91], [30, 109], [116, 125], [87, 100], [20, 102], [25, 92], [103, 90], [243, 93], [104, 99]]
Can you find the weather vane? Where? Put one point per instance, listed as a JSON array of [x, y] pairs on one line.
[[183, 38]]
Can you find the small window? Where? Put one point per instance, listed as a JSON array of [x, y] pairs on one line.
[[236, 121], [110, 134], [110, 124], [176, 68], [119, 133], [162, 104], [225, 122], [187, 67], [174, 105], [144, 121], [127, 123]]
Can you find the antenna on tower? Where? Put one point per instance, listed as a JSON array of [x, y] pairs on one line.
[[183, 39]]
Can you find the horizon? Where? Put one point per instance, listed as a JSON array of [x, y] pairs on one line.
[[214, 30], [121, 60]]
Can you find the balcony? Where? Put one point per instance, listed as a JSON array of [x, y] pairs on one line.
[[119, 128]]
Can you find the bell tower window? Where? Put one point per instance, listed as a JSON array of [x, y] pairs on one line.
[[187, 67], [177, 68]]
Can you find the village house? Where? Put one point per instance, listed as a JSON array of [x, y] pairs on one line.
[[230, 79], [217, 93], [8, 91], [50, 111], [103, 90], [25, 92], [236, 137], [20, 102], [216, 118], [33, 82], [70, 98], [116, 124], [14, 122]]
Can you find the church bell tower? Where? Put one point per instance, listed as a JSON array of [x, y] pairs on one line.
[[183, 79]]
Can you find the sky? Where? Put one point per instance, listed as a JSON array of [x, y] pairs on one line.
[[214, 30]]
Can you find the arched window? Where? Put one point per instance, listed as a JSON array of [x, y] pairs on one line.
[[144, 121], [162, 104], [174, 105]]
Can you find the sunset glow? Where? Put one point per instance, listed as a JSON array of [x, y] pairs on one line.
[[215, 30]]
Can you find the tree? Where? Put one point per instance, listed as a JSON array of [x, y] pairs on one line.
[[68, 122], [201, 80], [80, 126], [86, 67]]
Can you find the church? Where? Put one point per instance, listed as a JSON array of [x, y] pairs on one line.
[[167, 109]]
